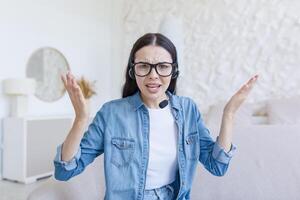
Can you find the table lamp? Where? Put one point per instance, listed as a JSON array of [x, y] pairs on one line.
[[18, 89]]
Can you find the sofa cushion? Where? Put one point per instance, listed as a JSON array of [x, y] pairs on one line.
[[284, 111], [215, 114]]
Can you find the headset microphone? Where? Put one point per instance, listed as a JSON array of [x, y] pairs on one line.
[[163, 104]]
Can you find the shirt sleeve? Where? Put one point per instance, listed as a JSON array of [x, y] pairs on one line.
[[214, 158], [68, 165], [221, 155], [91, 146]]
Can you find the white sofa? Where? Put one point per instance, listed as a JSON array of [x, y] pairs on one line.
[[266, 166]]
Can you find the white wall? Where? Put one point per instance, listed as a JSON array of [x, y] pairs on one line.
[[81, 30], [119, 57], [226, 42]]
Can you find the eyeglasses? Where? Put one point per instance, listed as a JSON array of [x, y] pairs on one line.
[[162, 68]]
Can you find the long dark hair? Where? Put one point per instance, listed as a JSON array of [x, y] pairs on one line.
[[130, 87]]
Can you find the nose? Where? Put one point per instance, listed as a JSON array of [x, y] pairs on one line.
[[153, 74]]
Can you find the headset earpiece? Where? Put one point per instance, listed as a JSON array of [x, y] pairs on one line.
[[131, 73], [176, 72]]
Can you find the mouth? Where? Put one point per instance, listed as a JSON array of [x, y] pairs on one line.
[[153, 88], [153, 85]]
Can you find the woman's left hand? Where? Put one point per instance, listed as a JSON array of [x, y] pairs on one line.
[[239, 97]]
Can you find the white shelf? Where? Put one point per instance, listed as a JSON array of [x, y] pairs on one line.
[[29, 146]]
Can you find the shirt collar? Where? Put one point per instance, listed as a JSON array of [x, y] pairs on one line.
[[137, 102]]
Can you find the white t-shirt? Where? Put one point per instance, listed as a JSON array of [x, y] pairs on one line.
[[162, 164]]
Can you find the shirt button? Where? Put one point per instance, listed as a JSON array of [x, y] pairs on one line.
[[182, 182], [180, 149]]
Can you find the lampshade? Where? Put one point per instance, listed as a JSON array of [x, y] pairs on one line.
[[19, 86]]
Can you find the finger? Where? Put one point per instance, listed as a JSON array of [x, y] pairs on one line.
[[68, 78], [78, 93], [63, 78], [250, 83], [77, 90], [69, 84], [66, 84], [253, 79], [71, 76], [74, 83], [245, 90]]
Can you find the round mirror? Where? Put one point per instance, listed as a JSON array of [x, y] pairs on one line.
[[46, 65]]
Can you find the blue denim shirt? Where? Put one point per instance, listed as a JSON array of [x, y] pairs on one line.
[[120, 129]]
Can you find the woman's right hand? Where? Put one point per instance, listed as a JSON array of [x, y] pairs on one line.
[[76, 96]]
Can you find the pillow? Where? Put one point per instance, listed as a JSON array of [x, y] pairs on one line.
[[284, 111], [242, 117], [259, 109]]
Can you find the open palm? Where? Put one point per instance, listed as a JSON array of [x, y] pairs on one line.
[[239, 97], [76, 96]]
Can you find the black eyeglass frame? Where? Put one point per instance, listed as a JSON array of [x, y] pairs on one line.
[[174, 68]]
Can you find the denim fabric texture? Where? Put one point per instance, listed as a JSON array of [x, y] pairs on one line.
[[120, 130]]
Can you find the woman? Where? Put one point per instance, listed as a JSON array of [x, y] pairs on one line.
[[152, 139]]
